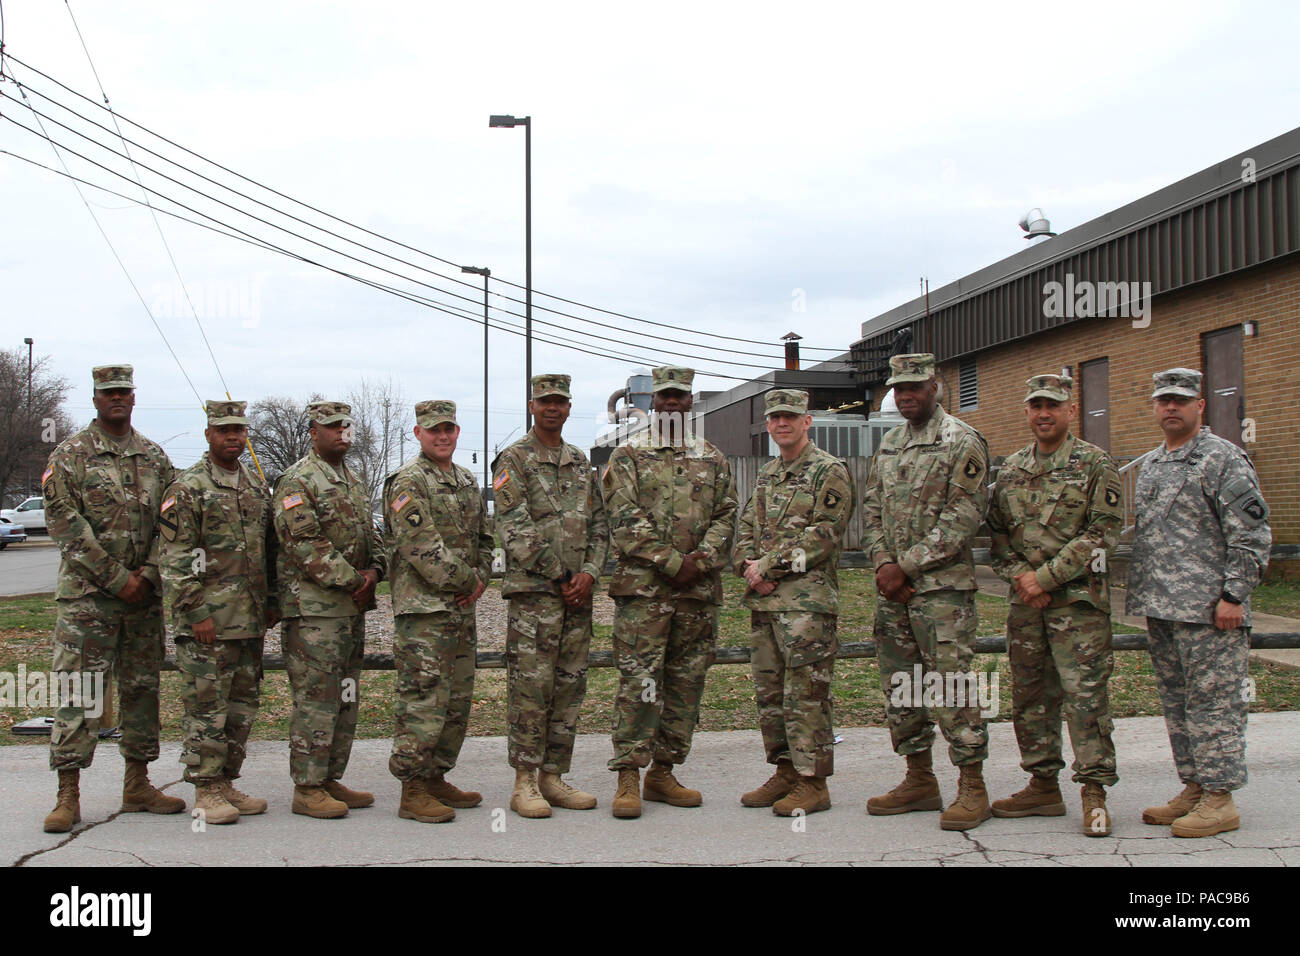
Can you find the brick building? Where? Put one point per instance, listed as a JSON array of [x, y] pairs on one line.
[[1204, 273]]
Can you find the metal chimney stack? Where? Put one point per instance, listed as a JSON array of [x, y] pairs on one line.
[[791, 351]]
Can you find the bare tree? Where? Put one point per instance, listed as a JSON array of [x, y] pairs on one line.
[[32, 421], [277, 429], [380, 417]]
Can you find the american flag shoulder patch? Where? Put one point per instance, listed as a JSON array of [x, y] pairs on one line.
[[46, 477], [401, 501], [292, 501], [500, 479], [168, 503]]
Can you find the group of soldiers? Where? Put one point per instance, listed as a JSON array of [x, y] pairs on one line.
[[230, 558]]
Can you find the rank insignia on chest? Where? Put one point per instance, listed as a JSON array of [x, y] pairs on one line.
[[400, 502], [292, 501], [1112, 497]]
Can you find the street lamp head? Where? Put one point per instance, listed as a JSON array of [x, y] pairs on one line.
[[27, 341], [507, 121], [475, 270]]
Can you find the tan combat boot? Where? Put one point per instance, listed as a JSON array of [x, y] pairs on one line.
[[246, 805], [918, 791], [316, 802], [138, 794], [627, 802], [527, 800], [213, 806], [559, 794], [1214, 813], [776, 787], [1179, 806], [355, 799], [1096, 818], [810, 794], [451, 795], [1042, 798], [419, 804], [662, 787], [67, 808], [971, 808]]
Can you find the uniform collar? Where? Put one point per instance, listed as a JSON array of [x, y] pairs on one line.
[[339, 475], [566, 450], [1057, 459], [106, 444], [219, 475], [1185, 449], [790, 467], [929, 433], [447, 476]]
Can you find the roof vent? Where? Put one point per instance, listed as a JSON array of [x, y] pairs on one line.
[[1036, 225]]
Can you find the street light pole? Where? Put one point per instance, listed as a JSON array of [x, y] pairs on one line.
[[485, 273], [28, 343], [509, 122]]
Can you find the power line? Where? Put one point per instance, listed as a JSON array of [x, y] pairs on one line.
[[380, 236]]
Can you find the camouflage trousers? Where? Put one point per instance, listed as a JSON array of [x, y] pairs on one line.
[[435, 657], [1061, 658], [323, 656], [663, 649], [98, 633], [1203, 676], [546, 678], [936, 630], [221, 695], [792, 656]]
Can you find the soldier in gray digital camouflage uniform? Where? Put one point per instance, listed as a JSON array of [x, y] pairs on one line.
[[218, 573], [102, 491], [1200, 548], [331, 559], [788, 552], [1055, 516], [672, 505], [551, 520], [440, 558], [925, 502]]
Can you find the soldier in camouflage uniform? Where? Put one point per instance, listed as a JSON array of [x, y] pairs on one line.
[[440, 559], [551, 521], [925, 502], [1055, 515], [330, 559], [788, 552], [218, 572], [672, 506], [102, 490], [1200, 548]]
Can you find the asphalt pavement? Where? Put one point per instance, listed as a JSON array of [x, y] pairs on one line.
[[30, 568]]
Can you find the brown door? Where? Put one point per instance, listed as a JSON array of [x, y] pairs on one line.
[[1094, 402], [1224, 387]]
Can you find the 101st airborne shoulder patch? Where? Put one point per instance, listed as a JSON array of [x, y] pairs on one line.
[[166, 522], [505, 490], [1245, 501], [966, 475], [1112, 497]]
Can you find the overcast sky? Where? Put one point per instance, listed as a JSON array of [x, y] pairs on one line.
[[709, 166]]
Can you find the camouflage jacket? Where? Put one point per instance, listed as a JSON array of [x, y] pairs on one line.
[[327, 538], [438, 536], [925, 501], [666, 501], [101, 508], [794, 527], [1202, 529], [218, 551], [1052, 517], [549, 515]]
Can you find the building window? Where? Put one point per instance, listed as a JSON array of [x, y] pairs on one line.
[[968, 390]]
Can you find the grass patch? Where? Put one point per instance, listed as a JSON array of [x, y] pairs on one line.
[[26, 626]]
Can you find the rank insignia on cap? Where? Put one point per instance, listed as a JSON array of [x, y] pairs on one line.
[[1112, 497], [500, 479], [46, 477], [401, 501], [292, 501], [168, 503]]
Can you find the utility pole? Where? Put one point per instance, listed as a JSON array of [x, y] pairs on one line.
[[386, 455], [28, 343]]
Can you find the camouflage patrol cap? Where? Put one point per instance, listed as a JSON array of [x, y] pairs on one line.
[[786, 400], [112, 376], [1184, 382], [329, 413], [226, 412], [672, 376], [1055, 387], [915, 367], [544, 385], [435, 412]]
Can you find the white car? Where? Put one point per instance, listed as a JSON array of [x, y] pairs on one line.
[[30, 514]]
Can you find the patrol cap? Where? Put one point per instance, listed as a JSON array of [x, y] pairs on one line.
[[329, 413], [226, 412], [672, 376], [1184, 382], [914, 367], [786, 400], [112, 376], [435, 412], [544, 385], [1055, 387]]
